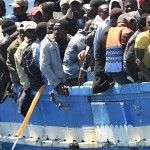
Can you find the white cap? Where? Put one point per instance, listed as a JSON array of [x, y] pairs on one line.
[[80, 1], [63, 2], [30, 25], [87, 6]]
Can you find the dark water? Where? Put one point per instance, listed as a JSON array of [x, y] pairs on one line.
[[4, 147]]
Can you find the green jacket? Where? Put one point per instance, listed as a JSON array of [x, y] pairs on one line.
[[11, 50], [18, 58]]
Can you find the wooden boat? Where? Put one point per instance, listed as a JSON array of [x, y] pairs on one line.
[[117, 119]]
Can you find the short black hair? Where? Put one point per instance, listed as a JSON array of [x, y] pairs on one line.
[[142, 21], [134, 2], [97, 3], [52, 21], [64, 23], [40, 27]]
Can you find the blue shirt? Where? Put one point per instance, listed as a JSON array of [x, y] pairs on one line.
[[71, 64], [102, 26]]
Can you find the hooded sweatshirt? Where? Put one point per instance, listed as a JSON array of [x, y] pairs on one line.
[[110, 4]]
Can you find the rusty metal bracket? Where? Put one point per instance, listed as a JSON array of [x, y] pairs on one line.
[[58, 103]]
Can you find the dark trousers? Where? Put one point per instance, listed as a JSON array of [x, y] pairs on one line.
[[120, 78]]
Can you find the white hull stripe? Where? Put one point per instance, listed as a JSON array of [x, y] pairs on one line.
[[86, 137]]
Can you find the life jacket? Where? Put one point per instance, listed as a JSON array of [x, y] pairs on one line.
[[114, 50]]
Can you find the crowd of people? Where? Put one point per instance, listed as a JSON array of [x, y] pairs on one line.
[[110, 37]]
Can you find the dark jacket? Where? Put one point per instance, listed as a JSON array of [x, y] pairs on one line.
[[4, 73], [101, 79], [23, 18], [11, 61], [129, 60], [73, 22]]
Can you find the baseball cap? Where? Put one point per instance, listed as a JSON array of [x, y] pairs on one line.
[[35, 10], [140, 2], [29, 25], [19, 3], [80, 1], [64, 2]]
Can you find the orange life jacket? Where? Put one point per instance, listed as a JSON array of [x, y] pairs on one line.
[[114, 50]]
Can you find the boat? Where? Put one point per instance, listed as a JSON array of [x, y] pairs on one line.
[[117, 119]]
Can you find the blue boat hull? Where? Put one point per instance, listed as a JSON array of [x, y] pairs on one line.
[[118, 119]]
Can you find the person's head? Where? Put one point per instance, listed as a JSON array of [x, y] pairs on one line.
[[61, 29], [114, 14], [19, 7], [36, 14], [29, 30], [130, 5], [76, 7], [64, 6], [41, 30], [50, 25], [145, 5], [127, 21], [2, 8], [141, 22], [48, 9], [103, 11], [94, 4], [148, 22], [115, 4], [8, 26]]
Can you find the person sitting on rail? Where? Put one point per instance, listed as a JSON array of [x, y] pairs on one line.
[[102, 80], [115, 45]]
